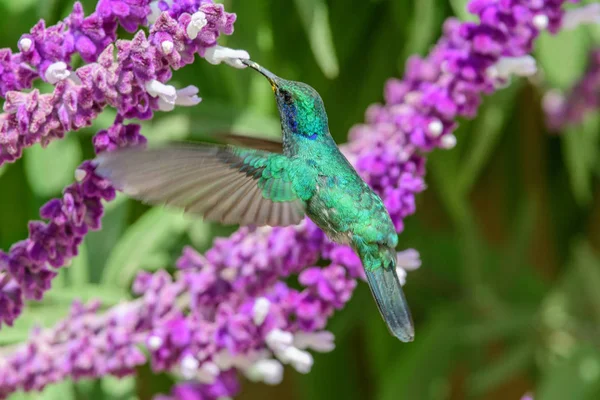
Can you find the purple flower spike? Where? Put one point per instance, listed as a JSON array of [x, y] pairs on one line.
[[51, 245], [44, 46], [134, 83], [470, 60]]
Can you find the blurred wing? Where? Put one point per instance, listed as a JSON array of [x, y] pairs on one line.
[[223, 184], [250, 142]]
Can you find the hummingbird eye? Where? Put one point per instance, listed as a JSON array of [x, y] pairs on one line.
[[287, 96]]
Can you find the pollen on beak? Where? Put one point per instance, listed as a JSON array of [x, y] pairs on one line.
[[271, 77]]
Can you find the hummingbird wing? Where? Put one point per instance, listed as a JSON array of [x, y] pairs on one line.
[[251, 142], [224, 184]]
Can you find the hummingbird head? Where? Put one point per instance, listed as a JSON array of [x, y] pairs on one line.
[[300, 107]]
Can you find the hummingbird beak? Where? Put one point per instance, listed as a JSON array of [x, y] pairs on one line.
[[268, 74]]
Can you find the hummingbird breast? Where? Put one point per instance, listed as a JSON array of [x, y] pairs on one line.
[[344, 206]]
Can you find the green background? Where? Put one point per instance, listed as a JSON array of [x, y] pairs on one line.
[[508, 297]]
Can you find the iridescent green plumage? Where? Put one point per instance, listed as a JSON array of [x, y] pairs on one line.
[[254, 184]]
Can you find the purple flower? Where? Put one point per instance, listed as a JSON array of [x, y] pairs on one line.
[[11, 299], [133, 84], [226, 385], [562, 110], [88, 36]]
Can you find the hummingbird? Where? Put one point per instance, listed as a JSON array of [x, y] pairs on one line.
[[252, 181]]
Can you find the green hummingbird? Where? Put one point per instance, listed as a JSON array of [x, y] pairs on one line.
[[260, 182]]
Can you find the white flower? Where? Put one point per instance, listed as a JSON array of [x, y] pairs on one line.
[[260, 310], [401, 275], [553, 101], [224, 360], [507, 66], [268, 371], [196, 24], [167, 94], [189, 366], [409, 259], [589, 14], [302, 361], [208, 372], [541, 21], [319, 341], [56, 72], [188, 96], [167, 47], [25, 44], [435, 128], [228, 274], [154, 342], [448, 141], [278, 340], [80, 175], [218, 54]]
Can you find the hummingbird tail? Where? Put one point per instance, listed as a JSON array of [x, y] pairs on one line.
[[388, 294]]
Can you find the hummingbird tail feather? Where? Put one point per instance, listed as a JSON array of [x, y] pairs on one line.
[[389, 296]]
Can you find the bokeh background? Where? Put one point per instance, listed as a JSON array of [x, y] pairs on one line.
[[508, 297]]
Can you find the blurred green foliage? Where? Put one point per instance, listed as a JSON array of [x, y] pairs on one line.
[[508, 297]]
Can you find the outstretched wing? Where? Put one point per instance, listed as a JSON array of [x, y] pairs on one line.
[[251, 142], [224, 184]]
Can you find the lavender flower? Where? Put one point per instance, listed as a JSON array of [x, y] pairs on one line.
[[133, 84], [582, 98], [225, 386], [88, 36], [230, 309]]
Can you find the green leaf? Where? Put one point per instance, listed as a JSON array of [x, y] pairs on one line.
[[79, 273], [55, 391], [587, 262], [100, 243], [314, 15], [563, 57], [580, 151], [118, 388], [2, 169], [89, 389], [150, 236], [485, 131], [514, 361], [199, 232], [49, 170], [424, 28], [35, 315], [424, 368], [17, 7], [497, 328], [172, 127], [460, 9], [444, 170], [577, 377], [60, 281], [109, 296], [326, 380]]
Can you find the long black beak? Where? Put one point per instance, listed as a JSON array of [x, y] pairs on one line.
[[273, 79]]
